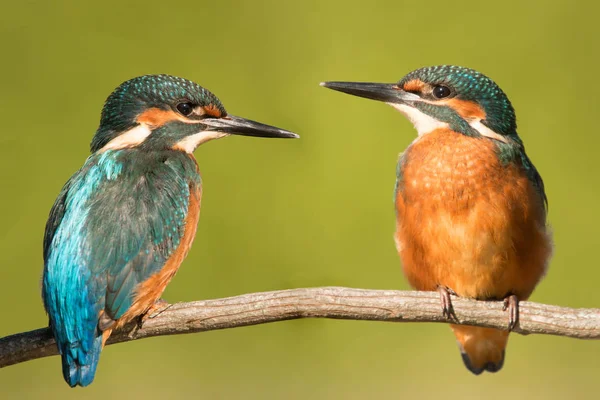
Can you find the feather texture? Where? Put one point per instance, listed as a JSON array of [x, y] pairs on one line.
[[115, 224], [473, 222]]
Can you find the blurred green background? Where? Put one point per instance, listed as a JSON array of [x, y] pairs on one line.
[[312, 212]]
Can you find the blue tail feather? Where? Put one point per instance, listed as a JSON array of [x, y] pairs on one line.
[[78, 365]]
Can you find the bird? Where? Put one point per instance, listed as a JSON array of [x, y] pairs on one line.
[[471, 208], [124, 222]]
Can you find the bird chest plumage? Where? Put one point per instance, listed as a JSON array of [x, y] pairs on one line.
[[468, 220]]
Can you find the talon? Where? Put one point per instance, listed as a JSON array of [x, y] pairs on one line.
[[155, 310], [445, 301], [511, 303], [135, 328]]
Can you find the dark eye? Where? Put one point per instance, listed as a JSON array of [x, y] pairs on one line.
[[441, 91], [185, 108]]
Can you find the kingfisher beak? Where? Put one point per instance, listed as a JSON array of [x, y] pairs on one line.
[[389, 93], [240, 126]]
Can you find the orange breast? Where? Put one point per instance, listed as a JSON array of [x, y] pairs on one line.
[[467, 221]]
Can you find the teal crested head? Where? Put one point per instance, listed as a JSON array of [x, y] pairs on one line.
[[164, 111], [445, 96]]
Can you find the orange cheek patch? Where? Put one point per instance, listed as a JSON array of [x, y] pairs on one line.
[[466, 109], [212, 110], [156, 117], [414, 85]]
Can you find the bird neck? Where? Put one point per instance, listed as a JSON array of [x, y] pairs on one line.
[[137, 162]]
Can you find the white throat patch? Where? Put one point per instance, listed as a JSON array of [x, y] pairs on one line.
[[422, 122], [191, 142]]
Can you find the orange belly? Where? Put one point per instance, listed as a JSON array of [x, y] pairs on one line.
[[472, 224], [468, 222]]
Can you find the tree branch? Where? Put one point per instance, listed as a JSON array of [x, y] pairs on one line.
[[324, 302]]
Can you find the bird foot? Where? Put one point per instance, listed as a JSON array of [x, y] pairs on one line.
[[447, 309], [511, 303], [155, 310]]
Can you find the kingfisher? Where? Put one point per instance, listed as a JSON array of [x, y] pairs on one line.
[[122, 225], [470, 205]]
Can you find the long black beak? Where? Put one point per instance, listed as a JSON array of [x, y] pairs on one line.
[[386, 92], [245, 127]]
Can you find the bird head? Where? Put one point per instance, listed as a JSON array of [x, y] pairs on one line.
[[167, 112], [445, 96]]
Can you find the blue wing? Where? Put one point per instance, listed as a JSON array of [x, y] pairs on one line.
[[514, 151], [114, 224], [534, 176], [399, 187]]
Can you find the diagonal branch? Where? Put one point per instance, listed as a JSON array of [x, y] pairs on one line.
[[323, 302]]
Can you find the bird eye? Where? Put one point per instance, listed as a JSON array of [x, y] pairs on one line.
[[185, 108], [441, 91]]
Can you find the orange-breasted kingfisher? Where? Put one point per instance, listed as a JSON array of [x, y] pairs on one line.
[[470, 205], [123, 223]]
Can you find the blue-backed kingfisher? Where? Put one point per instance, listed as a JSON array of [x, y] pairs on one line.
[[123, 223], [470, 205]]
